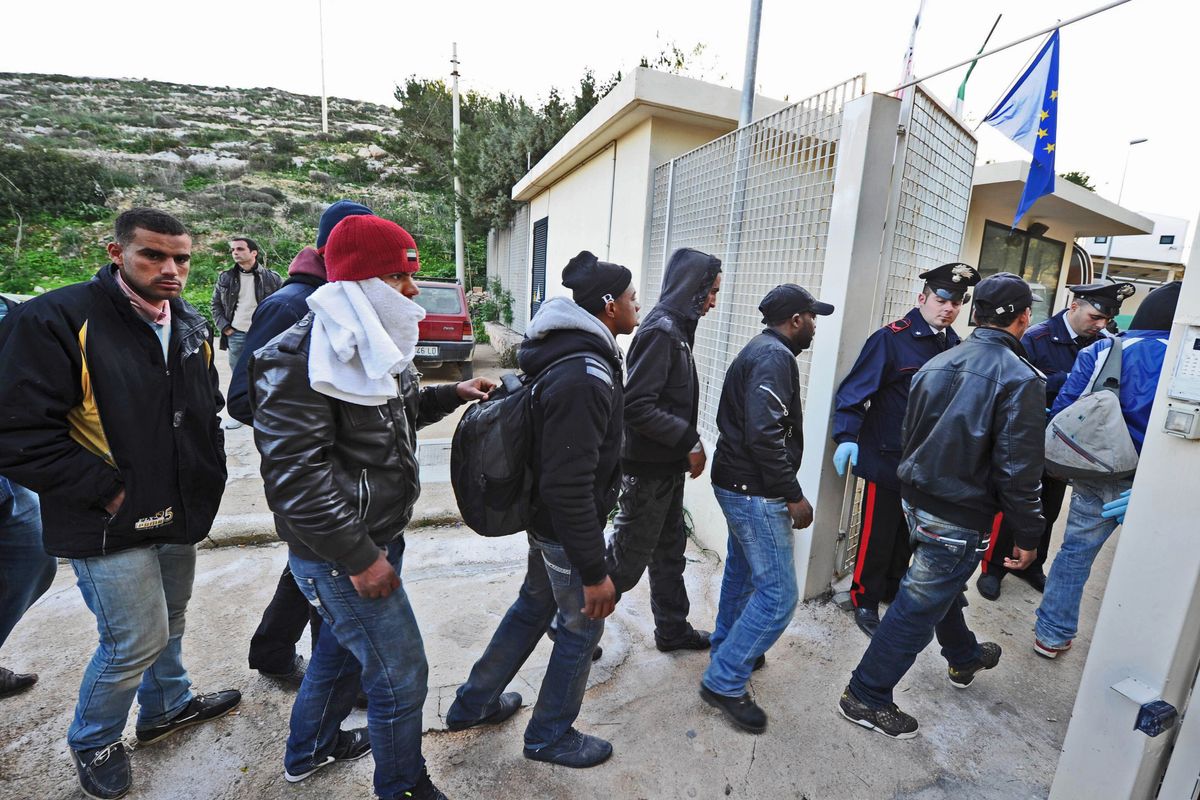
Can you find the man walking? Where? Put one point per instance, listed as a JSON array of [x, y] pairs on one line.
[[662, 399], [571, 347], [1052, 346], [761, 421], [238, 292], [1090, 520], [26, 572], [336, 410], [111, 402], [870, 406], [972, 447]]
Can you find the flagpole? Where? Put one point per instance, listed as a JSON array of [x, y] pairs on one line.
[[1022, 40], [906, 72], [961, 97]]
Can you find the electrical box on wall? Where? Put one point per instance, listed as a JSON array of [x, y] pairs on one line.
[[1183, 405]]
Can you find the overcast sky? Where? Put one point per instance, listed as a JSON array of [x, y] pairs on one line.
[[1126, 73]]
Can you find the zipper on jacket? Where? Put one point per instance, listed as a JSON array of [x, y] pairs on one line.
[[1071, 443], [767, 389], [364, 495]]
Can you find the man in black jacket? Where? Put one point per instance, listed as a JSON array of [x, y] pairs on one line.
[[577, 418], [761, 421], [110, 405], [662, 397], [972, 448], [238, 292]]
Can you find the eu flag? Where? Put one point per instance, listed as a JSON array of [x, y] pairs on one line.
[[1028, 115]]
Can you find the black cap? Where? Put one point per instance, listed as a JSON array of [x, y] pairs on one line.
[[951, 281], [1004, 293], [788, 299], [593, 282], [1105, 297], [1157, 311]]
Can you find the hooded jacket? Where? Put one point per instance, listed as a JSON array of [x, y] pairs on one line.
[[662, 392], [577, 418]]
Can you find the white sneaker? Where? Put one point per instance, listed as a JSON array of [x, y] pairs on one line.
[[231, 424]]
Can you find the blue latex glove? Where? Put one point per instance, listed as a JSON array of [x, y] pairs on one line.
[[846, 452], [1117, 507]]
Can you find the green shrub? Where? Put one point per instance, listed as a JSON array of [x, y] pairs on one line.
[[37, 181]]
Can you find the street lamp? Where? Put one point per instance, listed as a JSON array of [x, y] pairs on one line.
[[1120, 191]]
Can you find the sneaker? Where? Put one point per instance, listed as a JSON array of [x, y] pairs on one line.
[[202, 708], [867, 620], [1049, 650], [14, 682], [743, 712], [890, 720], [424, 790], [103, 771], [293, 677], [989, 585], [231, 424], [574, 749], [759, 663], [989, 656], [694, 640], [351, 745], [509, 704]]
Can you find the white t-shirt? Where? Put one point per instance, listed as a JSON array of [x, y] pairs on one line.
[[247, 302]]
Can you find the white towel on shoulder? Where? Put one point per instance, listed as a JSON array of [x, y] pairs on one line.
[[364, 334]]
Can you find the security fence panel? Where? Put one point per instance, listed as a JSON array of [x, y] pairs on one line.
[[517, 279]]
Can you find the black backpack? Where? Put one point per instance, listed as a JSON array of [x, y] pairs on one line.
[[491, 456]]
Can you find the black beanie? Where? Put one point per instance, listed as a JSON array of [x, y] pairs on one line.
[[591, 279], [1157, 311]]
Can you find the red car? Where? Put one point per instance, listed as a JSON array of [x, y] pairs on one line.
[[446, 335]]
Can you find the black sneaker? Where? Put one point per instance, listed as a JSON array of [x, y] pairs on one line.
[[509, 704], [351, 745], [889, 721], [989, 656], [202, 708], [103, 771], [989, 585], [293, 677], [424, 790], [14, 682], [759, 663], [743, 712], [694, 640], [574, 749], [867, 620]]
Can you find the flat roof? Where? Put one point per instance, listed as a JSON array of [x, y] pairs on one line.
[[643, 94]]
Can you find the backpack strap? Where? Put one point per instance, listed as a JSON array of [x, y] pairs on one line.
[[1109, 377]]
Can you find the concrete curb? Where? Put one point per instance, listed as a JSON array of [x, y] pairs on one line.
[[235, 530]]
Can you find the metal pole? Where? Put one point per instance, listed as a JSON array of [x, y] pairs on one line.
[[747, 112], [324, 99], [906, 72], [459, 252], [1120, 192]]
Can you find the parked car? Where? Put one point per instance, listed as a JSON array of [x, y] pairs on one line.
[[446, 335]]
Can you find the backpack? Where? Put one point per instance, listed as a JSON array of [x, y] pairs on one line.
[[1089, 438], [491, 456]]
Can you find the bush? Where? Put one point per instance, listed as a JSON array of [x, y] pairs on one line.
[[40, 181]]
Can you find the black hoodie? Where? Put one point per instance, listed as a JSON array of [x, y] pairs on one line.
[[662, 392]]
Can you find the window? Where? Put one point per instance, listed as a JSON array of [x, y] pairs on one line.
[[1038, 260], [1168, 239], [537, 288], [1101, 240], [439, 300]]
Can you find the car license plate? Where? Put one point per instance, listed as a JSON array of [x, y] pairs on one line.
[[427, 351]]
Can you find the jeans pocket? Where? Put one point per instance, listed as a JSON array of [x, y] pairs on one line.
[[560, 576]]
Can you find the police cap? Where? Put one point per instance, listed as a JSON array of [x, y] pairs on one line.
[[951, 281], [1105, 297]]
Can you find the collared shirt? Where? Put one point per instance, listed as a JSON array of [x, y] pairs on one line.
[[158, 317], [1070, 331]]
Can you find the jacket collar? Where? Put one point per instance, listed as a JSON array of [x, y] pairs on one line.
[[782, 340], [1000, 337]]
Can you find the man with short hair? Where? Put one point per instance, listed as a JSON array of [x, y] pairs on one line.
[[337, 405], [972, 443], [761, 422], [1052, 346], [238, 292], [571, 348], [870, 406], [110, 405]]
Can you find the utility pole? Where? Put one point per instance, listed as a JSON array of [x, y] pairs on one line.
[[324, 99], [460, 260], [1120, 192], [747, 112]]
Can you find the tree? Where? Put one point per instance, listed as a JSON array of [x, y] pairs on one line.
[[1080, 179]]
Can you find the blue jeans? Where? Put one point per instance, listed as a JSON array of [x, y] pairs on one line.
[[26, 572], [930, 600], [139, 597], [1086, 532], [374, 644], [236, 341], [758, 590], [552, 587]]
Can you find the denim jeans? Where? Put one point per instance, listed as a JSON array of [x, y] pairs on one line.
[[758, 590], [139, 597], [236, 341], [649, 532], [26, 572], [1086, 532], [930, 601], [374, 644], [552, 587]]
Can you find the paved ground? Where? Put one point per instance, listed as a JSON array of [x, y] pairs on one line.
[[997, 740]]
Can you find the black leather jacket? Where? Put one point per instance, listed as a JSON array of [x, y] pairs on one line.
[[973, 436], [341, 478], [761, 421]]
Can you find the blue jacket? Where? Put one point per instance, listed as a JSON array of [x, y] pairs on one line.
[[1142, 355], [1050, 347], [885, 367]]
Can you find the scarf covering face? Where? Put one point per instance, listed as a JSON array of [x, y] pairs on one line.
[[364, 334]]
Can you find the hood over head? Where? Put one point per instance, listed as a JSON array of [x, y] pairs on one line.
[[686, 283], [1157, 311], [308, 262], [561, 327]]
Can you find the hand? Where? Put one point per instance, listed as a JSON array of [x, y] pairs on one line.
[[475, 389], [846, 452], [1020, 558], [228, 331], [801, 513], [114, 505], [1117, 508], [696, 462], [600, 600], [378, 580]]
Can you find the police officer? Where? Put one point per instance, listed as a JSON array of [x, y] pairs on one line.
[[1052, 346], [871, 402]]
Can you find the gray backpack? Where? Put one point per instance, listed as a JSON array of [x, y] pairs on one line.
[[1089, 438]]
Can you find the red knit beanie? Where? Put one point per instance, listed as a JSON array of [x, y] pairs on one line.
[[362, 247]]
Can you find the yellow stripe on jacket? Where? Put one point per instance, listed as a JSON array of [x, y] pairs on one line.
[[84, 418]]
